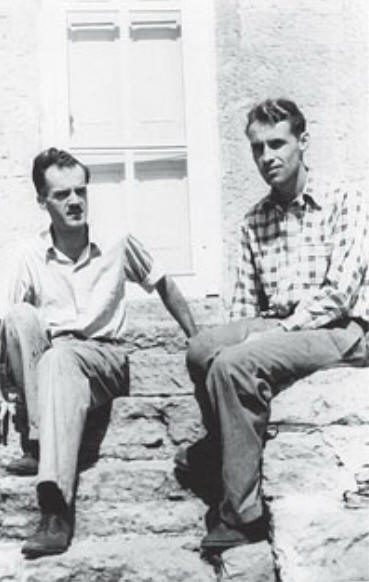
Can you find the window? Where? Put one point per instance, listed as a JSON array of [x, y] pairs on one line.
[[129, 87]]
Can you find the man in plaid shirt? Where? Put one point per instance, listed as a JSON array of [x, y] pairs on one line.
[[301, 303]]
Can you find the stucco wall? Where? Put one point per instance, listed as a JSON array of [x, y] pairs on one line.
[[313, 51], [19, 117]]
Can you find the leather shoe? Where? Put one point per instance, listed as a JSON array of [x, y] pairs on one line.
[[25, 465], [52, 536], [223, 537], [197, 467]]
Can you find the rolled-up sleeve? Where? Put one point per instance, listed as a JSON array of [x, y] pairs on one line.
[[140, 266]]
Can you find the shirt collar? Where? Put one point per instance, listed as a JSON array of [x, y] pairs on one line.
[[308, 197], [92, 250]]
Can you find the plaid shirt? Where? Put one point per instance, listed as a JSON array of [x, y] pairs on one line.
[[307, 263]]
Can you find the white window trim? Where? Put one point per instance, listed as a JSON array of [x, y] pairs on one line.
[[198, 19]]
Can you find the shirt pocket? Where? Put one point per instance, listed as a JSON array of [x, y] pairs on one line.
[[314, 262]]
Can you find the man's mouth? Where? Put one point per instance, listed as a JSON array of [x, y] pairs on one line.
[[273, 170], [76, 215]]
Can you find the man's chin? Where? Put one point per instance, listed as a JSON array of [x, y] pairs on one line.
[[76, 223], [273, 181]]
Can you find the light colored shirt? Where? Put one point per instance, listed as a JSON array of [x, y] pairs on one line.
[[86, 297], [308, 262]]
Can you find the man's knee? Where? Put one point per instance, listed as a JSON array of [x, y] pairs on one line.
[[199, 355], [58, 359], [58, 372], [239, 368], [21, 315]]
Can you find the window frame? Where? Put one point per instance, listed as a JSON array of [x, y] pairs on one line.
[[202, 139]]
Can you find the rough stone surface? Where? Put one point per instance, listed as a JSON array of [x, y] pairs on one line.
[[322, 444], [134, 522]]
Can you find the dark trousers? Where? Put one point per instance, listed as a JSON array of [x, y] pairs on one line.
[[235, 380]]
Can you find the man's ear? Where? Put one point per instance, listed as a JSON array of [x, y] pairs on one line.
[[304, 141], [41, 199]]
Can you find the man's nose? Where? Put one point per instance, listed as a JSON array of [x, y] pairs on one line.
[[268, 155], [73, 198]]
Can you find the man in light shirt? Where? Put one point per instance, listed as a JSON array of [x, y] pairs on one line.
[[301, 303], [63, 335]]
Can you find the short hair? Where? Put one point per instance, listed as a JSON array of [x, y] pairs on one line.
[[272, 111], [53, 157]]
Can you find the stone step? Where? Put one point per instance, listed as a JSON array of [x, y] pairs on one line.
[[110, 481], [316, 538], [137, 558], [131, 558], [143, 427], [155, 372], [109, 517]]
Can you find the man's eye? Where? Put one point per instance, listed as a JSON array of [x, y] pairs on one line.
[[61, 194], [276, 144], [81, 191]]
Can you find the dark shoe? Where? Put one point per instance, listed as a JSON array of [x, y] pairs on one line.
[[25, 465], [52, 536], [203, 453], [197, 467], [223, 537]]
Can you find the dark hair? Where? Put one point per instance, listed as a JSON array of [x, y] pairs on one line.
[[53, 157], [272, 111]]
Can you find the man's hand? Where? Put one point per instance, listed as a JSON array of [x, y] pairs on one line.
[[274, 327]]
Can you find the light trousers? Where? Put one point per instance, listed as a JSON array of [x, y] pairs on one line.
[[235, 380], [60, 380]]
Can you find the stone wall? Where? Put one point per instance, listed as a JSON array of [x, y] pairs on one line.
[[313, 51], [20, 117]]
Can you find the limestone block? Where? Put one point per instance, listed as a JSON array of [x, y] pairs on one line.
[[128, 558], [336, 396], [317, 538], [302, 462], [158, 334], [249, 563], [158, 373], [106, 494], [105, 518], [350, 445], [114, 479], [139, 438], [184, 420]]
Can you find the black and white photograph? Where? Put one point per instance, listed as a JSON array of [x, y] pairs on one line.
[[184, 291]]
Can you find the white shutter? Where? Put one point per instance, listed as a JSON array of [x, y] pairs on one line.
[[160, 208], [157, 99], [94, 63]]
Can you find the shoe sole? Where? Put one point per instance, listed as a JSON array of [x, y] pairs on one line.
[[32, 555], [21, 474]]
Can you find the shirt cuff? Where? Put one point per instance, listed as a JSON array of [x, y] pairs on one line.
[[297, 321], [157, 272]]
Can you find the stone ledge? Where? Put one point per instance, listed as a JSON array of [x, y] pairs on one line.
[[323, 440], [130, 558], [136, 558], [316, 538], [336, 396]]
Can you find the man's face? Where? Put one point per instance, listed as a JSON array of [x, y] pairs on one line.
[[66, 197], [277, 153]]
